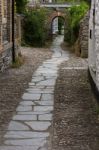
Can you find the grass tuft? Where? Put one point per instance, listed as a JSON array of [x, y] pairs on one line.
[[18, 62]]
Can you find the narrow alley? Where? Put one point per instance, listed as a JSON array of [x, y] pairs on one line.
[[55, 107]]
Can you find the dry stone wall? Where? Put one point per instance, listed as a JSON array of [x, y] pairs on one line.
[[83, 36]]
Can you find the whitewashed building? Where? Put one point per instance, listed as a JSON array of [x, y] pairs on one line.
[[94, 43]]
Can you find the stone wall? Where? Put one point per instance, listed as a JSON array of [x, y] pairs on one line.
[[5, 58], [83, 36], [6, 33]]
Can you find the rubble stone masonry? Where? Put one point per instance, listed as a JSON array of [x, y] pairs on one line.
[[83, 36], [5, 41]]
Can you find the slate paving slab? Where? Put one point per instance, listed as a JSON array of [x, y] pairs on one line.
[[43, 91], [39, 125], [26, 134], [49, 82], [26, 103], [45, 117], [17, 126], [25, 117], [37, 79], [34, 112], [24, 108], [45, 103], [18, 147], [43, 108], [26, 142], [47, 97], [28, 96]]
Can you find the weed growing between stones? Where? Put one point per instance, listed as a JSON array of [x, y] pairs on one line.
[[18, 63]]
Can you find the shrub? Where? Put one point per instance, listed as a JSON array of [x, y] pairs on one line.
[[60, 24], [76, 13], [21, 6], [18, 62], [34, 27]]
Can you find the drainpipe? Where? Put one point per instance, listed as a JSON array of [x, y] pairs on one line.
[[13, 31]]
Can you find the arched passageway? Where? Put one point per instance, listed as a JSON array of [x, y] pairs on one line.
[[57, 23], [57, 26]]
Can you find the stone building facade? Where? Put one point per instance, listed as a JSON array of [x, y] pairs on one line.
[[6, 33], [94, 42]]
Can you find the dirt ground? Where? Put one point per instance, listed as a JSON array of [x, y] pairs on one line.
[[76, 124]]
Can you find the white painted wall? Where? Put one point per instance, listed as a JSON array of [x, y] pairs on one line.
[[92, 53], [97, 41], [94, 42]]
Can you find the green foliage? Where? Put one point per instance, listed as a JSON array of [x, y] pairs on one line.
[[34, 27], [21, 5], [60, 24], [64, 1], [18, 62], [76, 13], [97, 110]]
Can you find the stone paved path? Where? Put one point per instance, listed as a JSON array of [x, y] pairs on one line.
[[30, 128]]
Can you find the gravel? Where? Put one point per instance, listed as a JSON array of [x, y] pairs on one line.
[[76, 124]]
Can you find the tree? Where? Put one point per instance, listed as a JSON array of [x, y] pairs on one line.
[[34, 27], [76, 13], [21, 5]]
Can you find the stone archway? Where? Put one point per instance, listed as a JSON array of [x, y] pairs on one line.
[[54, 15]]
